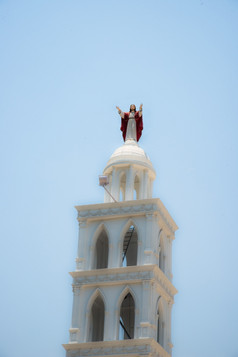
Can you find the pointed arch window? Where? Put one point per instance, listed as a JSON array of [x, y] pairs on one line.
[[101, 251], [161, 253], [160, 324], [130, 247], [127, 318], [96, 320]]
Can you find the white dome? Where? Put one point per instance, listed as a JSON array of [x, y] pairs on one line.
[[129, 153]]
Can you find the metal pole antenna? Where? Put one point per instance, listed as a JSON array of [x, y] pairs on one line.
[[103, 181]]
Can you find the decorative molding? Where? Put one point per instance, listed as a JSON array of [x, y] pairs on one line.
[[77, 261], [147, 324], [76, 289], [82, 223], [73, 329], [126, 275], [74, 333], [148, 252], [150, 216], [170, 345], [134, 347], [125, 209]]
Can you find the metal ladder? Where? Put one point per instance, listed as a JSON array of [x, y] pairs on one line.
[[126, 241]]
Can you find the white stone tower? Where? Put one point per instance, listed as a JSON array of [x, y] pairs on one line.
[[122, 285]]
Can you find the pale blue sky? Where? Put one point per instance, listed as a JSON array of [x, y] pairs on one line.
[[64, 66]]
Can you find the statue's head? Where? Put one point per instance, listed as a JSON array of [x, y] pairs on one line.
[[132, 108]]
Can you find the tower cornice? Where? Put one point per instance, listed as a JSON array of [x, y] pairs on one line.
[[144, 346], [121, 209], [126, 275]]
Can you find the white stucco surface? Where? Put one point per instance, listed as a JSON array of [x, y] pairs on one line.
[[104, 238], [130, 152]]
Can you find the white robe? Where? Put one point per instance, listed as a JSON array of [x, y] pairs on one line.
[[131, 127]]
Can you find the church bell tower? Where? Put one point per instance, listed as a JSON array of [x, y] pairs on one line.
[[122, 285]]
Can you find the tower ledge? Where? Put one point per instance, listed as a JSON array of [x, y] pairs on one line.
[[126, 208], [134, 347], [126, 275]]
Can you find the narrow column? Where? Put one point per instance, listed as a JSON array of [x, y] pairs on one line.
[[145, 324], [106, 326], [113, 185], [129, 184], [109, 323], [169, 260], [148, 250], [74, 330], [145, 185], [145, 301], [169, 343], [111, 260], [150, 186], [141, 187], [80, 260]]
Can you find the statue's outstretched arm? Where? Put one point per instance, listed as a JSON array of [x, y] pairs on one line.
[[120, 112], [140, 110]]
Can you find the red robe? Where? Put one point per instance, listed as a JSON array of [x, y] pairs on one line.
[[139, 125]]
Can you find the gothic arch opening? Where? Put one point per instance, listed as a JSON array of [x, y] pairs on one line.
[[101, 251], [136, 188], [127, 318], [160, 324], [122, 187], [130, 247], [96, 320]]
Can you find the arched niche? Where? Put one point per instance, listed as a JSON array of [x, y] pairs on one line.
[[96, 320], [122, 187], [130, 247], [127, 318], [101, 251], [160, 323]]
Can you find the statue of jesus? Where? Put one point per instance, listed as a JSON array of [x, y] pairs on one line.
[[131, 123]]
